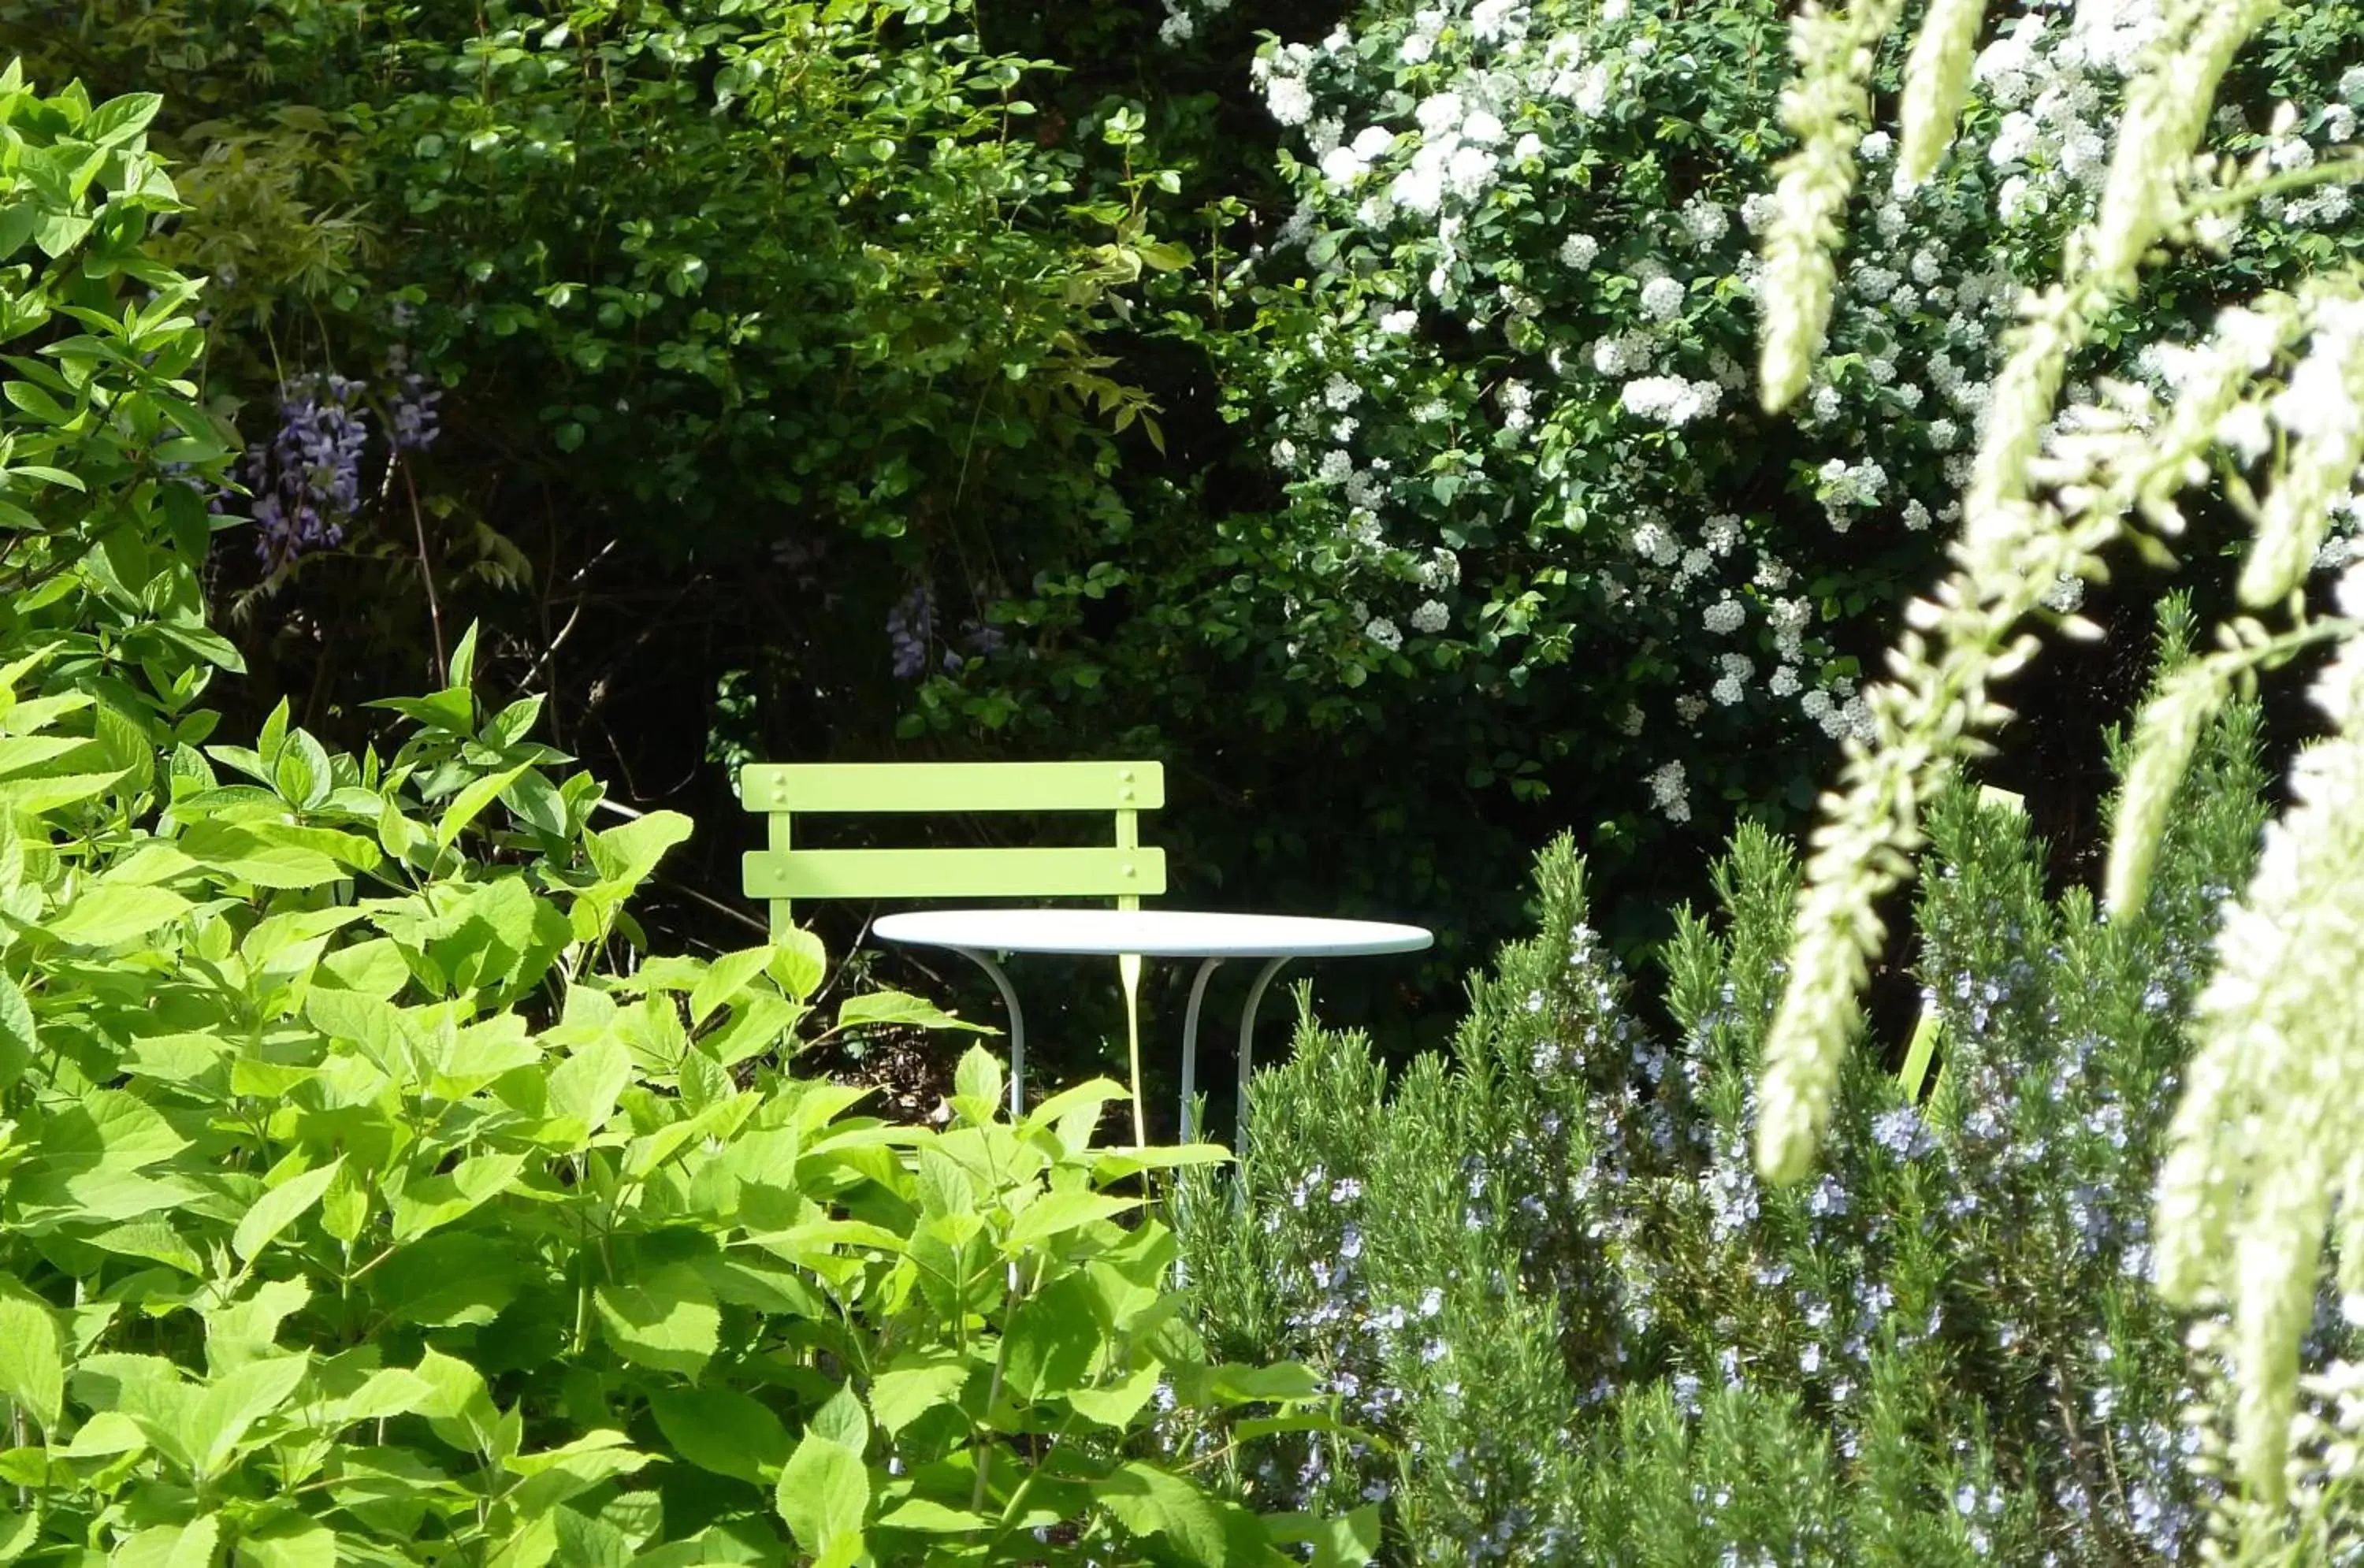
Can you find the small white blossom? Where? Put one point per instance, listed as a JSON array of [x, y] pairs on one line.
[[1289, 100], [1662, 298]]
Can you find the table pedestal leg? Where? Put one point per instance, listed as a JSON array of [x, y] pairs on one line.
[[1017, 1027], [1248, 1049], [1190, 1045]]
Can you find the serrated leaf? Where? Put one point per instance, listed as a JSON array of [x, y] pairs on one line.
[[32, 1353], [585, 1085], [1056, 1213], [823, 1496], [798, 962], [171, 1546], [722, 1430], [1117, 1404], [1051, 1341], [1149, 1501], [288, 1541], [979, 1075], [18, 1532], [452, 1276], [900, 1396], [275, 1210], [1347, 1542], [470, 803], [256, 855], [19, 1039], [303, 774], [431, 1202], [935, 1518], [724, 979], [117, 120], [537, 803], [104, 917], [624, 856], [228, 1406], [667, 1319], [901, 1008]]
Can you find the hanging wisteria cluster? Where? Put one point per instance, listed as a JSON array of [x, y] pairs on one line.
[[306, 481], [1527, 311]]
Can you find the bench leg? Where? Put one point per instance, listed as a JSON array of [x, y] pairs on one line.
[[1017, 1027], [1190, 1045]]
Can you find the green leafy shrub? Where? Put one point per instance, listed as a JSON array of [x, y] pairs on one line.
[[1544, 1278], [367, 1193]]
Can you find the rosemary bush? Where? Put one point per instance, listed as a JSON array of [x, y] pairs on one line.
[[1573, 1327]]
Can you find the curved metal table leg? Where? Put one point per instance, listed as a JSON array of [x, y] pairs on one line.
[[1017, 1027], [1190, 1044], [1248, 1049]]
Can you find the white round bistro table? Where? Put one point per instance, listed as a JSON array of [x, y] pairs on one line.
[[978, 934]]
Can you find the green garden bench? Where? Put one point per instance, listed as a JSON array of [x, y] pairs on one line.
[[783, 874]]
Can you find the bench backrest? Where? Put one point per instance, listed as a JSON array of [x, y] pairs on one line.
[[780, 874]]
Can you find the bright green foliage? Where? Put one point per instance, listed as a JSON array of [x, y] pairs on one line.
[[104, 541], [367, 1195], [1544, 1278]]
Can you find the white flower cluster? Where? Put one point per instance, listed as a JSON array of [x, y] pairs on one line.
[[1669, 400], [1671, 793], [1530, 354]]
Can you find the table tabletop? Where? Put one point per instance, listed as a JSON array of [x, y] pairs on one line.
[[1150, 933]]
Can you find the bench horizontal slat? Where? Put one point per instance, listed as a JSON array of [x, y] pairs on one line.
[[956, 874], [952, 786]]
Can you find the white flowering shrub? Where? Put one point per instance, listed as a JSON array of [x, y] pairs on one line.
[[1545, 1279], [1502, 349]]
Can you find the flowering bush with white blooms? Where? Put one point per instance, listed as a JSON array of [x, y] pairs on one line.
[[1545, 1281], [1510, 319]]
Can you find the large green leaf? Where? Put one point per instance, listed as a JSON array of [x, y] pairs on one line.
[[1056, 1213], [1052, 1341], [1348, 1541], [275, 1210], [1197, 1526], [171, 1546], [624, 856], [18, 1038], [32, 1353], [721, 1429], [264, 854], [288, 1541], [470, 802], [105, 915], [218, 1419], [823, 1497], [902, 1394], [431, 1202], [452, 1276], [901, 1008], [584, 1087], [666, 1320]]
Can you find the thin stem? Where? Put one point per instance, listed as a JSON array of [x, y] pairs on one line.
[[427, 578]]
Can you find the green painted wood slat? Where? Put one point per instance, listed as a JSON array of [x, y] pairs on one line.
[[956, 874], [799, 787]]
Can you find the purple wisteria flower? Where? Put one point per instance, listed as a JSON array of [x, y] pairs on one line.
[[307, 480], [909, 625]]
